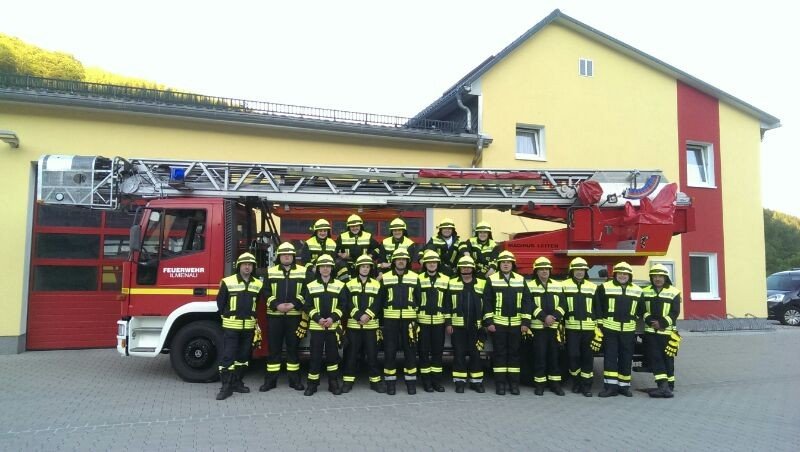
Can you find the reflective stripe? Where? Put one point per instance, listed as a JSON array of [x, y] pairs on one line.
[[232, 323]]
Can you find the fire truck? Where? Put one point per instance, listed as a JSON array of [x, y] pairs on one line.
[[195, 217]]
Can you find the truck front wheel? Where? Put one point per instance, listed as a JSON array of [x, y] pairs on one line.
[[194, 351]]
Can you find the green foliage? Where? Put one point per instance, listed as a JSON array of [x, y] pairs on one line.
[[781, 240], [97, 75]]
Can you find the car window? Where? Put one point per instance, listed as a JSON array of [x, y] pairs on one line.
[[786, 282]]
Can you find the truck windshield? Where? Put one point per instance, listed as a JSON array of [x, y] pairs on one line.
[[786, 282]]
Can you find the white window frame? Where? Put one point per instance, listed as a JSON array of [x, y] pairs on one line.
[[708, 153], [530, 129], [670, 268], [585, 67], [713, 275]]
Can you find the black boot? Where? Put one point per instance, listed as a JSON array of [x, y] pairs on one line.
[[312, 388], [460, 385], [586, 387], [270, 382], [625, 391], [609, 390], [225, 391], [513, 388], [577, 385], [477, 387], [436, 383], [411, 387], [672, 386], [500, 388], [538, 389], [237, 385], [426, 383], [555, 388], [662, 392], [333, 385], [391, 387], [294, 381], [378, 386], [347, 387]]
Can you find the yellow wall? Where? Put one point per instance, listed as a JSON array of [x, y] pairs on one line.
[[742, 214], [48, 130]]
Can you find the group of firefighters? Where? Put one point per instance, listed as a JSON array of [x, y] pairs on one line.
[[354, 293]]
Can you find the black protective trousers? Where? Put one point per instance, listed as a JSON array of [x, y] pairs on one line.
[[236, 345], [282, 330], [617, 357], [660, 364], [431, 349], [545, 356], [362, 342], [323, 342], [579, 351], [395, 336], [464, 342], [506, 342]]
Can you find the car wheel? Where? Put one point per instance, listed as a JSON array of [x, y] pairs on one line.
[[791, 316], [194, 351]]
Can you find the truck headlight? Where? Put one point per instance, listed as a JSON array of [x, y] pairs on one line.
[[777, 298]]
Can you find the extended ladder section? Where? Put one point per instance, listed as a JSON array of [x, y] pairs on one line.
[[99, 182]]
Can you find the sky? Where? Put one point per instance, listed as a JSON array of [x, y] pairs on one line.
[[397, 57]]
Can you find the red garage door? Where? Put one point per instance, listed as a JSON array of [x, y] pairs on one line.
[[76, 277]]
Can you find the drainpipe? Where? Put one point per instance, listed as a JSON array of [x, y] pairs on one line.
[[475, 159], [465, 89]]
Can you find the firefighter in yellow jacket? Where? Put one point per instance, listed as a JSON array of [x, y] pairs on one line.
[[431, 317], [464, 312], [326, 303], [362, 326], [620, 307], [236, 303], [284, 317], [397, 239], [318, 244], [483, 250], [548, 312], [662, 303], [583, 309], [352, 243], [400, 297], [507, 315]]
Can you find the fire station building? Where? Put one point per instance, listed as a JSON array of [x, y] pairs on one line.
[[563, 95]]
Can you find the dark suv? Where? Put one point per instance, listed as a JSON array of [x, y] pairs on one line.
[[783, 297]]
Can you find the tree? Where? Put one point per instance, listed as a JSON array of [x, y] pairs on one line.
[[781, 241]]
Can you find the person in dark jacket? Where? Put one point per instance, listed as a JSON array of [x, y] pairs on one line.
[[352, 243], [662, 305], [431, 318], [464, 302], [318, 244], [583, 309], [483, 249], [548, 311], [236, 304], [398, 239], [446, 243]]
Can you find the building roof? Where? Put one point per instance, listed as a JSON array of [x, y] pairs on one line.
[[143, 101], [449, 97]]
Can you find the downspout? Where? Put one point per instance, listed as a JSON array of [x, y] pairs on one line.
[[465, 89], [475, 159]]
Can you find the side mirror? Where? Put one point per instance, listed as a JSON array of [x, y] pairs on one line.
[[135, 237]]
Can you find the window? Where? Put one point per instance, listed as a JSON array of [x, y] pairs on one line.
[[67, 246], [68, 216], [50, 278], [174, 232], [700, 165], [585, 67], [530, 142], [704, 281]]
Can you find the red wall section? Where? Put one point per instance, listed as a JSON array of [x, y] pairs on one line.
[[698, 120]]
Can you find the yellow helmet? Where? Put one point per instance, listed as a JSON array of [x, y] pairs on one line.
[[430, 256], [397, 223], [286, 248], [364, 259], [245, 258], [483, 226], [322, 224], [506, 256], [542, 262], [325, 259], [400, 253], [447, 223], [623, 267], [659, 269], [578, 263], [466, 261], [354, 220]]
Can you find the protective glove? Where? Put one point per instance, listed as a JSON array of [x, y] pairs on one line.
[[341, 336], [527, 335], [379, 335], [597, 340], [673, 344], [560, 334], [257, 338], [413, 332], [302, 327]]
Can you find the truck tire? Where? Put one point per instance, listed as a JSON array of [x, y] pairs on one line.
[[194, 351]]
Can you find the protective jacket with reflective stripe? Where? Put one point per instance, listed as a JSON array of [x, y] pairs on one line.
[[662, 305], [389, 245], [315, 248], [236, 301], [464, 302], [448, 254], [323, 300], [364, 299], [431, 309], [356, 245], [507, 300], [620, 305], [400, 295], [286, 286], [547, 300], [583, 308], [483, 253]]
